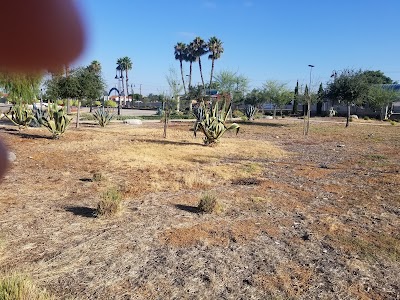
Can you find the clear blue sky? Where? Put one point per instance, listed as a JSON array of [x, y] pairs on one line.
[[263, 39]]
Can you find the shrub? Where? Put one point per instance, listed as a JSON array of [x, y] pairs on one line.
[[366, 118], [18, 287], [110, 204], [392, 122], [209, 204], [237, 113], [110, 103], [97, 176], [103, 116]]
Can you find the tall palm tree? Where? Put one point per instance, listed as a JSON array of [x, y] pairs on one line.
[[126, 65], [190, 58], [216, 49], [199, 49], [95, 66], [180, 49]]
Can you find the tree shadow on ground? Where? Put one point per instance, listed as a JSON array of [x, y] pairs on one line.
[[86, 179], [31, 136], [265, 124], [188, 208], [82, 211], [166, 142]]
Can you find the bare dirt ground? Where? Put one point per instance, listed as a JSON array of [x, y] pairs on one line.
[[302, 218]]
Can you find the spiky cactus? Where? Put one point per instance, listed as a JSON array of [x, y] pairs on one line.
[[20, 115], [199, 113], [250, 112], [103, 116], [213, 124], [56, 122]]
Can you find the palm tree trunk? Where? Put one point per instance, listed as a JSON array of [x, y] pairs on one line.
[[183, 78], [190, 75], [201, 73], [212, 72], [126, 82]]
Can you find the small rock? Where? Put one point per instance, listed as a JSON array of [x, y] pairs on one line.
[[355, 117], [277, 137], [11, 156], [340, 145], [133, 122], [269, 117]]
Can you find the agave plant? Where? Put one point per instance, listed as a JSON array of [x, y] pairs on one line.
[[103, 116], [56, 122], [213, 125], [250, 112], [20, 115], [199, 113], [38, 114]]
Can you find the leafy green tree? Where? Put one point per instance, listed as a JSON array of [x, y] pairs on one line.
[[179, 53], [21, 88], [199, 48], [348, 87], [379, 97], [376, 77], [230, 84], [82, 83], [278, 94], [256, 97], [216, 49], [91, 83]]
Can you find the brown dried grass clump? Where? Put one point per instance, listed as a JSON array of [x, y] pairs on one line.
[[18, 287], [209, 204], [110, 204]]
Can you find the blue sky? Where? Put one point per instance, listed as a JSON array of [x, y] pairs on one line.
[[263, 39]]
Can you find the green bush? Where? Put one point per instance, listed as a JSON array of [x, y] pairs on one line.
[[237, 113], [209, 204], [110, 204], [111, 103], [366, 118], [97, 103]]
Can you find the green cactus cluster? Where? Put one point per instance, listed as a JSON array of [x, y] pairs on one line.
[[103, 116], [20, 115], [213, 125], [250, 112], [56, 121]]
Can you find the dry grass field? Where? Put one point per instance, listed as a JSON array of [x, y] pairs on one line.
[[299, 218]]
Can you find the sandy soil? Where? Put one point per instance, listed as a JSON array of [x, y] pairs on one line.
[[303, 218]]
